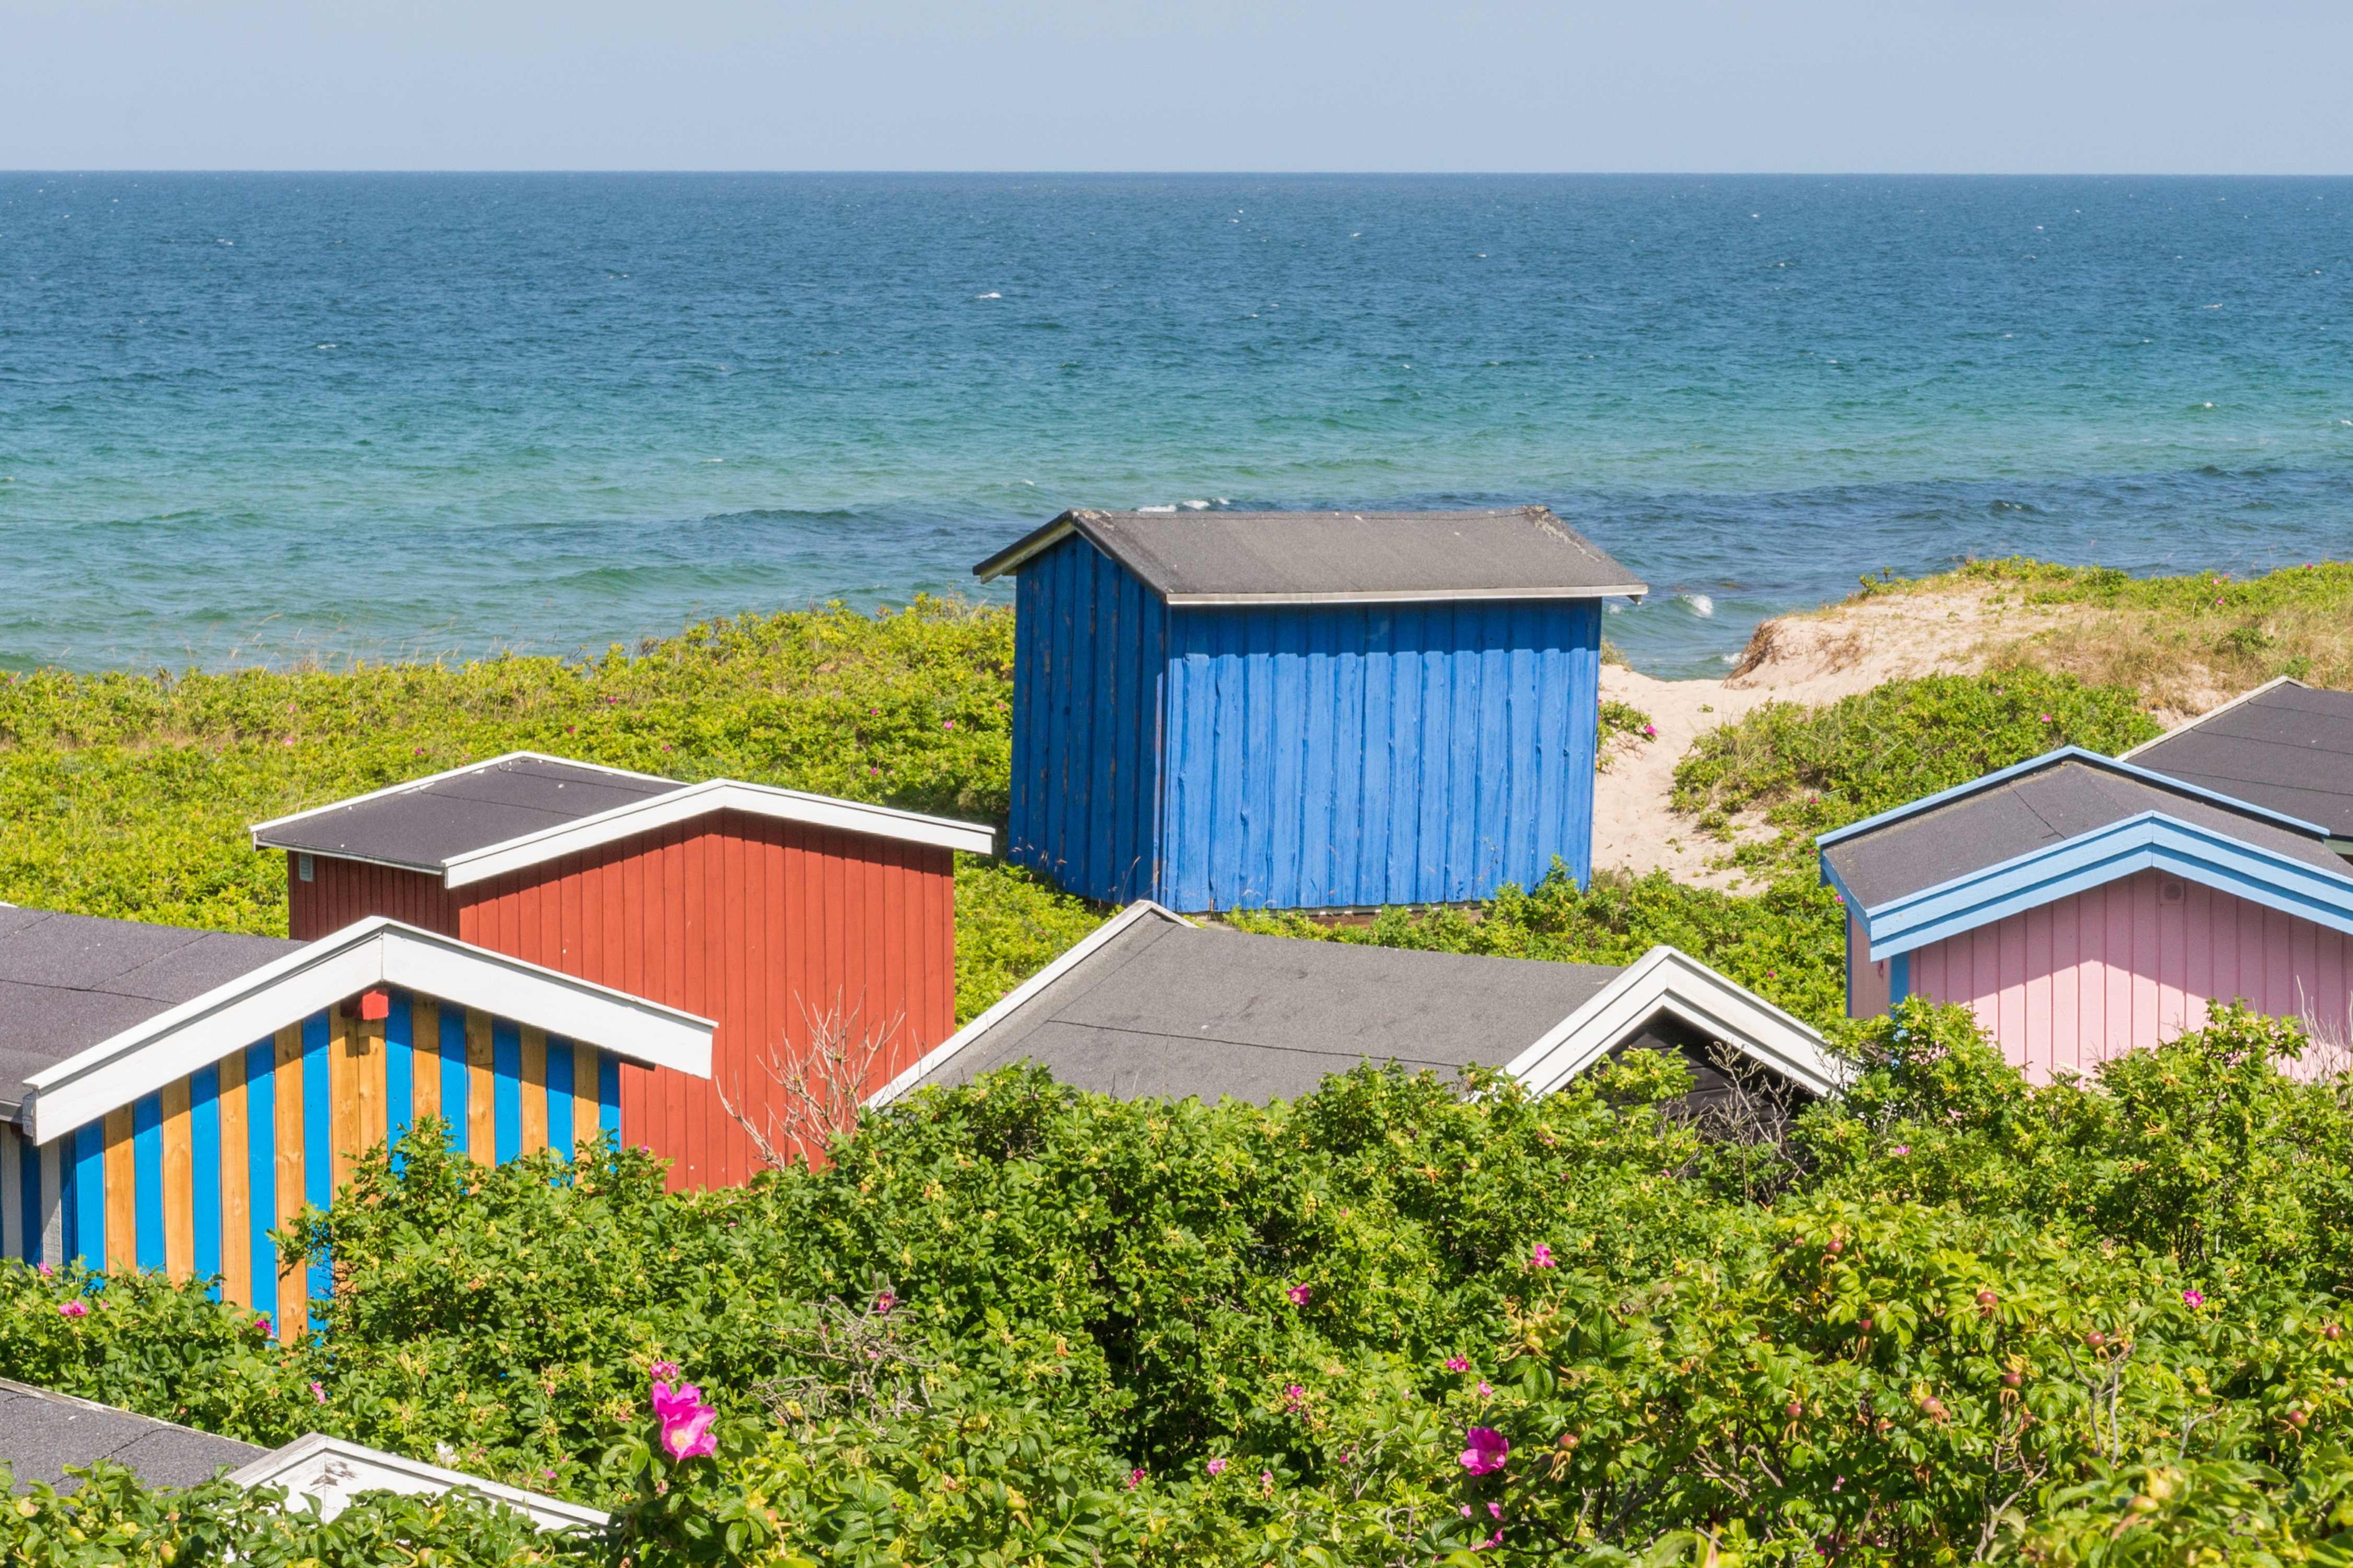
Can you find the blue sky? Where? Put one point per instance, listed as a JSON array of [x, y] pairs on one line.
[[2258, 85]]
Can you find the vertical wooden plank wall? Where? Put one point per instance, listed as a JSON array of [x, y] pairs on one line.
[[341, 891], [1091, 642], [764, 926], [193, 1179], [2128, 965], [1323, 756]]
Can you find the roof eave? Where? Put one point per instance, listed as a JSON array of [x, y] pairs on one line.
[[408, 785], [2184, 728], [1405, 596]]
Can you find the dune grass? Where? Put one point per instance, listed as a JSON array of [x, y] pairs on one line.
[[2182, 643], [129, 794]]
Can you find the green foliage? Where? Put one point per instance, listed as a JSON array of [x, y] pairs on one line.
[[1783, 941], [1621, 723], [1820, 768], [2078, 1324], [129, 794]]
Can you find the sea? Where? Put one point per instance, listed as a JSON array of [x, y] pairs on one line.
[[266, 418]]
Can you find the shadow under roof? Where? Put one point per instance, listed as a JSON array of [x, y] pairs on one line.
[[2289, 747], [68, 982], [1170, 1010], [422, 827], [2036, 809], [1344, 557], [41, 1432]]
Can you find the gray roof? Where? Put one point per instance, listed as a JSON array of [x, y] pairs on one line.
[[2289, 747], [42, 1432], [426, 825], [2036, 808], [68, 982], [1167, 1009], [1363, 557]]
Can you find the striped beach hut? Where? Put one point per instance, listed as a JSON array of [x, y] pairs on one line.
[[798, 921], [1221, 710], [170, 1097]]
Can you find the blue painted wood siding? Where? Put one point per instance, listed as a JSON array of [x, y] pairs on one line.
[[1297, 756], [1088, 648], [1347, 754]]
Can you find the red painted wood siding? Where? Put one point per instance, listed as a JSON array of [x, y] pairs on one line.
[[341, 891], [2123, 967], [760, 925]]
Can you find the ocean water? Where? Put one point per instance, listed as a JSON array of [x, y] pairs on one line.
[[267, 417]]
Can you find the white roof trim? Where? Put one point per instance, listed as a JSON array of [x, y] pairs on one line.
[[1014, 555], [258, 829], [699, 800], [1633, 590], [330, 1471], [1014, 1000], [370, 952], [2184, 728], [1666, 980]]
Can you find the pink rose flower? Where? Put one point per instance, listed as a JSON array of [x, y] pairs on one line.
[[1541, 1257], [318, 1391], [1299, 1295], [73, 1309], [2194, 1298], [883, 1303], [663, 1372], [1485, 1449], [686, 1421], [1456, 1363], [1217, 1467]]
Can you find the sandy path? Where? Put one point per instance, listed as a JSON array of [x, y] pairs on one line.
[[1809, 658]]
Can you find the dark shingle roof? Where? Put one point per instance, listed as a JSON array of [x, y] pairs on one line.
[[425, 824], [1297, 557], [1165, 1009], [42, 1432], [2289, 748], [2036, 809], [68, 982]]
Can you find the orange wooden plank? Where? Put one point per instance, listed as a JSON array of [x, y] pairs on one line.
[[425, 1057], [481, 1109], [286, 1079], [369, 1070], [534, 1093], [344, 1141], [237, 1193], [121, 1194], [179, 1182]]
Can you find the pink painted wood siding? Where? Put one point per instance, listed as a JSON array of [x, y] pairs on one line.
[[2131, 965]]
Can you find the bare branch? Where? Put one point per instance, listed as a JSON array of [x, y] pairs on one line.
[[822, 1084]]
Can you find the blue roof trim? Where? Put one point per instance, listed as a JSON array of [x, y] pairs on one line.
[[2070, 755], [2151, 840]]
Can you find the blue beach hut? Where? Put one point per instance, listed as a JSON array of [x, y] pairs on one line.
[[1223, 710]]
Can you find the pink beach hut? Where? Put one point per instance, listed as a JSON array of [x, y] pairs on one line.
[[2084, 906]]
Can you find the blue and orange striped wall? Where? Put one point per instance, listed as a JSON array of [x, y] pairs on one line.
[[192, 1180]]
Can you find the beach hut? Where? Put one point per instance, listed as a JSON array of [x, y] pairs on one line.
[[1222, 710], [2286, 745], [168, 1098], [2084, 906], [1152, 1005], [799, 922]]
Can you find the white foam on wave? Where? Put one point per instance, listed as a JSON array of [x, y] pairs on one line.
[[1155, 508], [1701, 605], [989, 296]]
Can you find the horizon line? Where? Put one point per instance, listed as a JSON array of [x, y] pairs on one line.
[[1233, 173]]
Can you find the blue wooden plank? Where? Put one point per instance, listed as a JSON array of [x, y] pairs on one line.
[[318, 1146], [1372, 882], [1409, 666], [1434, 824], [506, 1091], [147, 1179], [205, 1172], [1315, 858], [399, 1073], [1190, 759], [28, 1198], [1019, 785], [1522, 793], [1554, 762], [1230, 722], [560, 1135], [1151, 741], [260, 1154], [609, 1097], [1107, 719], [1490, 770], [86, 1194], [454, 1079], [1351, 755], [1584, 661], [1284, 760]]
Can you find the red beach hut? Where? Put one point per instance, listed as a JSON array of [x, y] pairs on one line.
[[810, 929]]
